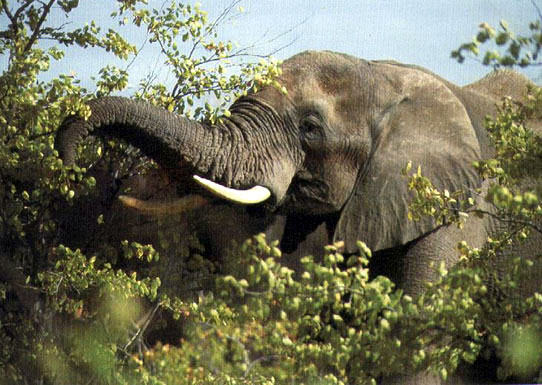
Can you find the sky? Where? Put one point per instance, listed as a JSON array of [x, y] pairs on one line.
[[421, 32]]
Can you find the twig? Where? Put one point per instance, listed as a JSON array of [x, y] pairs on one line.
[[538, 11], [507, 220], [193, 48], [221, 17], [37, 29], [9, 15], [144, 327], [21, 9]]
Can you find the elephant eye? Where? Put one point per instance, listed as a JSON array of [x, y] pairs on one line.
[[309, 125]]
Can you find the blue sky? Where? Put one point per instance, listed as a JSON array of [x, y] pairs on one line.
[[420, 32]]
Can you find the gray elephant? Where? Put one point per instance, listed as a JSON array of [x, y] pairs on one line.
[[322, 163]]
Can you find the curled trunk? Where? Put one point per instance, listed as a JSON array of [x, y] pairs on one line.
[[235, 153], [167, 138]]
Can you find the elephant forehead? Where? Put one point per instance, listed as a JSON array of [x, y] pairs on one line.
[[317, 74], [321, 81], [306, 96], [334, 100], [323, 78]]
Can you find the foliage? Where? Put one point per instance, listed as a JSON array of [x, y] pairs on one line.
[[512, 190], [518, 147], [47, 287], [335, 325], [512, 175], [84, 315], [197, 59], [509, 49]]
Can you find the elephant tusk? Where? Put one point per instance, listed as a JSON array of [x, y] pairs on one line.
[[156, 208], [254, 195]]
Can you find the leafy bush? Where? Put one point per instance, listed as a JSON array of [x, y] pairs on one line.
[[57, 318]]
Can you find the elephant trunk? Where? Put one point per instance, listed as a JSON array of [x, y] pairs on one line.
[[224, 153], [159, 134]]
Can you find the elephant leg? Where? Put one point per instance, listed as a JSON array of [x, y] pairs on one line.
[[422, 259], [420, 265], [424, 256], [531, 249]]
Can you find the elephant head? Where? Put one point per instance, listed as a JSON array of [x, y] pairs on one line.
[[334, 145]]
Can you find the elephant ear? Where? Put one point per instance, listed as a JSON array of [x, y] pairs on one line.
[[421, 121]]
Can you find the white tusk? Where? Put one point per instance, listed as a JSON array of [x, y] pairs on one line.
[[256, 194]]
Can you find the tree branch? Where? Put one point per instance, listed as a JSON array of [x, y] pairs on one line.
[[21, 9], [146, 322], [37, 29], [538, 11], [507, 220], [9, 14]]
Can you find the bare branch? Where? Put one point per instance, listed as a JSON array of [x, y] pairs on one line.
[[21, 9], [8, 12], [221, 17], [36, 32], [508, 220], [141, 330], [538, 11]]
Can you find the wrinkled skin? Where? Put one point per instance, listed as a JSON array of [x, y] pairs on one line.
[[330, 152]]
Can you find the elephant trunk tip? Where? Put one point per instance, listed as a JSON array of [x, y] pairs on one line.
[[71, 132]]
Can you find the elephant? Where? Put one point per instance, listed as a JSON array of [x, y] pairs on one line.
[[321, 164]]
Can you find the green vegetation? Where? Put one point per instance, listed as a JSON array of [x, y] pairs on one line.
[[73, 316], [509, 49]]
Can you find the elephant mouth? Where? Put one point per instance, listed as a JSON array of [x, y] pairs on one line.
[[308, 193]]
